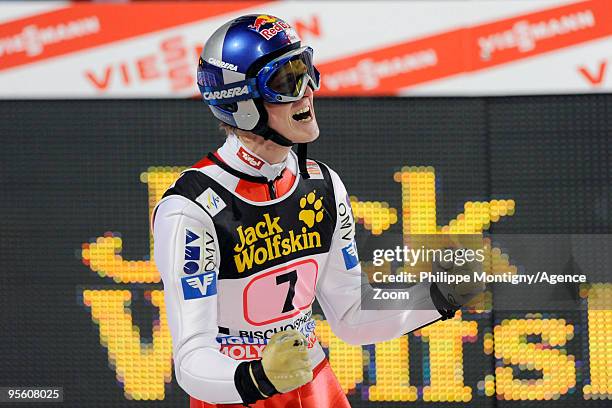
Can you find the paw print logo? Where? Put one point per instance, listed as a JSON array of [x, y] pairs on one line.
[[311, 209]]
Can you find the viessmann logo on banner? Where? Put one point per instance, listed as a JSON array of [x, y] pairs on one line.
[[151, 49], [525, 35], [32, 39]]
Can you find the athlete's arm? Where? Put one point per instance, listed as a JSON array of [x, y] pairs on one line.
[[180, 228], [339, 290]]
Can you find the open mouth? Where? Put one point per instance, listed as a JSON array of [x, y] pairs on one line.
[[303, 115]]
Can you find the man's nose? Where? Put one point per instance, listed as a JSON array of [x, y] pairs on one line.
[[308, 92]]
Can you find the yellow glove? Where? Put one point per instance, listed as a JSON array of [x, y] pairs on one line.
[[284, 366], [285, 360]]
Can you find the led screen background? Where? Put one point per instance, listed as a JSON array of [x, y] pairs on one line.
[[77, 173]]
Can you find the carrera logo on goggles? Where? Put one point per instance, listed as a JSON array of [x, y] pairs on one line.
[[226, 93], [221, 64]]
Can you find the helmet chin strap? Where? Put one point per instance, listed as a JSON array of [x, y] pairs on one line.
[[268, 133], [301, 153]]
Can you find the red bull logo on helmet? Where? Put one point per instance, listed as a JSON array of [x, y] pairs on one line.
[[268, 33], [261, 20]]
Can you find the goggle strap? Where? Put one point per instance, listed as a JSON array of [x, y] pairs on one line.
[[230, 93]]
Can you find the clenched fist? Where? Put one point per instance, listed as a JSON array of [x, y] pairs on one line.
[[284, 366], [285, 360]]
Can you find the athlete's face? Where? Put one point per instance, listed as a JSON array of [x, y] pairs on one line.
[[295, 120]]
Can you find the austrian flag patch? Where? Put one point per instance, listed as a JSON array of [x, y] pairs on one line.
[[313, 169]]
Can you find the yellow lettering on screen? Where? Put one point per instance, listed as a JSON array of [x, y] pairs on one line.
[[512, 347], [418, 200], [600, 341], [102, 255], [143, 369], [393, 372], [445, 338], [376, 216], [158, 179], [419, 206]]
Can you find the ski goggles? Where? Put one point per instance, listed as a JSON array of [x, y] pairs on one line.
[[282, 80], [285, 78]]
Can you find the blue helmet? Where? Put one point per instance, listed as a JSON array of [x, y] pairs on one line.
[[251, 59]]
